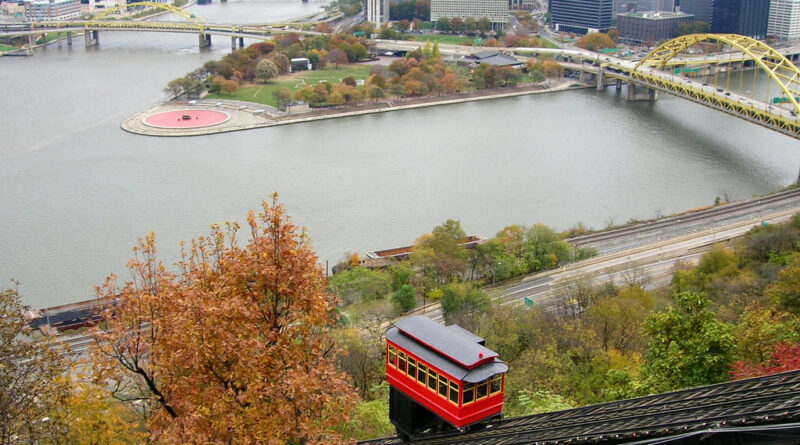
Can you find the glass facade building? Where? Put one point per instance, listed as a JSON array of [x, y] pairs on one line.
[[745, 17], [582, 16]]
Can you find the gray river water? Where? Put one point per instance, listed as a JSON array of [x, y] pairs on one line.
[[76, 191]]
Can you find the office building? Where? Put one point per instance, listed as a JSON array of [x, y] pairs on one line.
[[651, 26], [581, 16], [744, 17], [495, 10], [52, 10], [784, 20]]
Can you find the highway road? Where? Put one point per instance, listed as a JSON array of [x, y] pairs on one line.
[[648, 263]]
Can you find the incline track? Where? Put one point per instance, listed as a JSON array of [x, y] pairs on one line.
[[723, 210], [763, 402]]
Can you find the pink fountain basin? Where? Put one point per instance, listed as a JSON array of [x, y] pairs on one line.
[[186, 119]]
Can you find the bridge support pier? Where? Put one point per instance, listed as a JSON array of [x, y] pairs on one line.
[[204, 40], [58, 38], [618, 85], [600, 81], [233, 43], [632, 95], [92, 38], [69, 38]]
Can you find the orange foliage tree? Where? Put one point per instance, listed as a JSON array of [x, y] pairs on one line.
[[235, 346], [595, 41]]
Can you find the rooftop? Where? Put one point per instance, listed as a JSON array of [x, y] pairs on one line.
[[656, 15], [464, 349]]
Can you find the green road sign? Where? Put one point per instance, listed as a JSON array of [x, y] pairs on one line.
[[528, 302]]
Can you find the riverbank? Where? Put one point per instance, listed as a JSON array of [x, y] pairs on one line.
[[248, 116]]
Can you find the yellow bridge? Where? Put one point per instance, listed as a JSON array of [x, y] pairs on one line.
[[191, 25], [668, 67], [780, 113]]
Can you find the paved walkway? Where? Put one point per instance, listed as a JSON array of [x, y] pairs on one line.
[[246, 115]]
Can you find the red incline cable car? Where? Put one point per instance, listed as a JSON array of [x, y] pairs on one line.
[[442, 378]]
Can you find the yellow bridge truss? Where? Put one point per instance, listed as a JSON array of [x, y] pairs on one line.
[[97, 22], [780, 70]]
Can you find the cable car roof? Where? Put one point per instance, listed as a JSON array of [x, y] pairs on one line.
[[457, 346]]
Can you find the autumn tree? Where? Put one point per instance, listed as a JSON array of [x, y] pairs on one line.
[[229, 86], [617, 320], [484, 24], [403, 300], [283, 97], [785, 357], [440, 253], [281, 62], [403, 25], [785, 293], [462, 303], [595, 41], [364, 352], [337, 57], [266, 70], [232, 347], [687, 345], [336, 99], [88, 415], [361, 284], [444, 24], [31, 383], [457, 24], [376, 93]]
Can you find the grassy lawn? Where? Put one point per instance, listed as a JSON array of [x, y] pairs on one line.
[[48, 37], [548, 44], [6, 47], [265, 93], [457, 40], [442, 38]]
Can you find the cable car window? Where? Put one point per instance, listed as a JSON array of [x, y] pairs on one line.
[[482, 390], [422, 372], [454, 392], [401, 363], [432, 379], [392, 356], [469, 393], [412, 367], [496, 383], [443, 386]]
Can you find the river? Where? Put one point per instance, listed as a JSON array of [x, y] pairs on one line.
[[76, 191]]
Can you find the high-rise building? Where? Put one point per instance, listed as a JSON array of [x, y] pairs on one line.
[[378, 11], [703, 10], [745, 17], [651, 26], [495, 10], [581, 16], [784, 19]]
